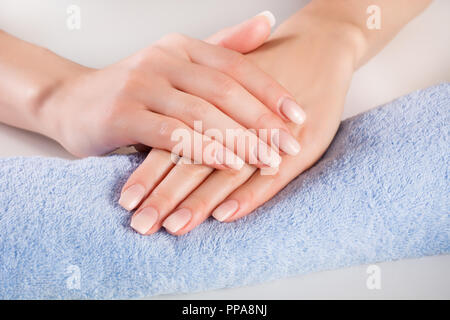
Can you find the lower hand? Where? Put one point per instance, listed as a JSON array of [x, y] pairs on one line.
[[316, 63]]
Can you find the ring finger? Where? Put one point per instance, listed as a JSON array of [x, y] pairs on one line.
[[197, 207], [180, 181]]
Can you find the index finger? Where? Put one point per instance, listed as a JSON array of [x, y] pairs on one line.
[[256, 81]]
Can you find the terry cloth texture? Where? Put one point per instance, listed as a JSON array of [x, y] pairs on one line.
[[381, 192]]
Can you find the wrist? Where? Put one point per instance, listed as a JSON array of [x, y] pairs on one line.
[[29, 78], [48, 100], [351, 16], [318, 20]]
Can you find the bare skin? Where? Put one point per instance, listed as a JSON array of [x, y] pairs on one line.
[[314, 55], [145, 98]]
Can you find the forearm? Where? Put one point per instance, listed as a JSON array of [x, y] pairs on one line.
[[347, 20], [28, 74]]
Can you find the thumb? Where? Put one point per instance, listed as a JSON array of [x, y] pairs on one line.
[[246, 36]]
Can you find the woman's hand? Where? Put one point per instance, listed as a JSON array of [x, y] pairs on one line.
[[316, 63], [241, 38], [163, 89], [313, 55]]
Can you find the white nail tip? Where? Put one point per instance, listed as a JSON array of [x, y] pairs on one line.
[[269, 15], [292, 111], [288, 144], [225, 210], [177, 220]]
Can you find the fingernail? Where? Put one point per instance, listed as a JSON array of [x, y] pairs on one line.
[[267, 155], [236, 164], [292, 110], [269, 15], [131, 197], [287, 143], [229, 159], [177, 220], [144, 220], [225, 210]]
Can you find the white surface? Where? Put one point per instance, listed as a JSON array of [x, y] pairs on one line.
[[426, 278], [111, 30]]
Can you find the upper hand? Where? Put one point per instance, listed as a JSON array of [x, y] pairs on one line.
[[166, 87]]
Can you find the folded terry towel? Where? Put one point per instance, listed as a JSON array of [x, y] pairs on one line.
[[381, 192]]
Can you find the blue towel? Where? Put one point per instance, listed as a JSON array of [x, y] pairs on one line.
[[381, 192]]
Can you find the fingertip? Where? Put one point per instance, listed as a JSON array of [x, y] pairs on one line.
[[176, 221], [269, 16], [257, 30], [227, 159], [225, 210], [236, 163], [292, 110], [132, 196], [144, 220], [249, 35]]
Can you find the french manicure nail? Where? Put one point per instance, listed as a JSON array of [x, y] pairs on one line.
[[292, 110], [225, 210], [236, 163], [267, 155], [177, 220], [131, 197], [229, 159], [269, 15], [287, 143], [144, 220]]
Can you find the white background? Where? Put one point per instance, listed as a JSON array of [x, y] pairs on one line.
[[111, 29]]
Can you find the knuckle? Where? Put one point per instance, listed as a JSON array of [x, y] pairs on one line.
[[269, 120], [271, 91], [169, 47], [226, 88], [235, 62], [195, 110], [249, 196], [174, 38], [195, 172], [132, 80], [150, 58], [166, 128], [149, 54], [233, 177], [198, 204], [161, 200]]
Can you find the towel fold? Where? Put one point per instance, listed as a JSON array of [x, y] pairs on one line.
[[381, 192]]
